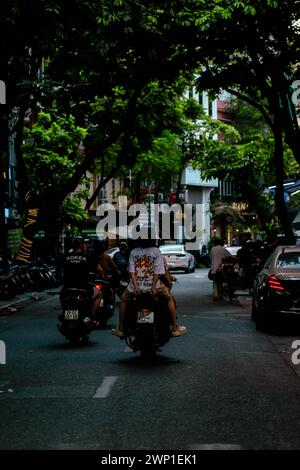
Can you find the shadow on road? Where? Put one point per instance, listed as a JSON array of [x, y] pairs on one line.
[[155, 362], [67, 346]]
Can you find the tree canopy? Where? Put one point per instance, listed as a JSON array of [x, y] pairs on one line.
[[99, 60]]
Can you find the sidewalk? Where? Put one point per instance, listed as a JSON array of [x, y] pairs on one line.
[[22, 300]]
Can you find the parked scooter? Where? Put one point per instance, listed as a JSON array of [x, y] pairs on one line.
[[147, 324], [8, 286], [75, 322]]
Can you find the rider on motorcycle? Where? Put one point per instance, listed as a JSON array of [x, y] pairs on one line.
[[76, 269], [105, 268], [121, 259], [145, 266]]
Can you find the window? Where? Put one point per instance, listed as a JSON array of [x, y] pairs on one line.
[[288, 260]]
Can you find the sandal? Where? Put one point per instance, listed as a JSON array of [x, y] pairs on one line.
[[117, 332], [180, 330]]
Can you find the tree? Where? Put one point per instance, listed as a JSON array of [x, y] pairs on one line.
[[85, 58], [93, 50], [157, 117], [256, 59], [51, 152], [247, 161]]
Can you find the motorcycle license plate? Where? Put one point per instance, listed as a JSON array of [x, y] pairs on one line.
[[71, 314], [145, 317]]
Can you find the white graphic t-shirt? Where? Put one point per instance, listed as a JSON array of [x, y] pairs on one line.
[[145, 262]]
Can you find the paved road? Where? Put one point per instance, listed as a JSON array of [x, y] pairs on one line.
[[223, 385]]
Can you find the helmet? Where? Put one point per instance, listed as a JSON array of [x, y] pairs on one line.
[[77, 242], [123, 246]]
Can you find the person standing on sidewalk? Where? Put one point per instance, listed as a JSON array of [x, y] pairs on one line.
[[217, 253]]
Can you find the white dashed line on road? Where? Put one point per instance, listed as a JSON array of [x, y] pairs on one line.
[[214, 447], [4, 385], [105, 388]]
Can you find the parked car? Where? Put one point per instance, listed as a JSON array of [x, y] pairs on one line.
[[178, 258], [276, 289]]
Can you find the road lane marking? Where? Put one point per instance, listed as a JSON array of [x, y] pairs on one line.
[[127, 349], [215, 446], [104, 390], [76, 446], [4, 384]]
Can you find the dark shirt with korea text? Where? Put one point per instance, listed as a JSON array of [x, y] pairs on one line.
[[76, 270]]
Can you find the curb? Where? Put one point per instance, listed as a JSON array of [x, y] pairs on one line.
[[12, 304], [26, 300]]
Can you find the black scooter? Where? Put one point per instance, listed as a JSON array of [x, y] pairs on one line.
[[75, 322], [147, 324]]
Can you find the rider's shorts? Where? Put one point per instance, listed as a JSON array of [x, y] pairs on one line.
[[162, 291]]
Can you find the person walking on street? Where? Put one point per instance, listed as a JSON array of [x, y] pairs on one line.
[[217, 253]]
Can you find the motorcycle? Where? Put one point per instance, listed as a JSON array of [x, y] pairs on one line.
[[107, 306], [147, 324], [8, 286], [231, 279], [75, 322]]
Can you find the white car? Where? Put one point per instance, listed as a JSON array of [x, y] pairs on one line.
[[178, 258], [112, 251], [233, 249]]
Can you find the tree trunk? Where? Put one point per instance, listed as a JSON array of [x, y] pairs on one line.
[[50, 223], [290, 124], [3, 185], [279, 172]]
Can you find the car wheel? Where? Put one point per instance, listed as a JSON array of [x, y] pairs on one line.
[[189, 269]]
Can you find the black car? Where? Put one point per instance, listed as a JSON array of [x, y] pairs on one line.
[[276, 290]]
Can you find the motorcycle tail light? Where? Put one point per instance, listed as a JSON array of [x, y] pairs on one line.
[[98, 286], [275, 284]]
